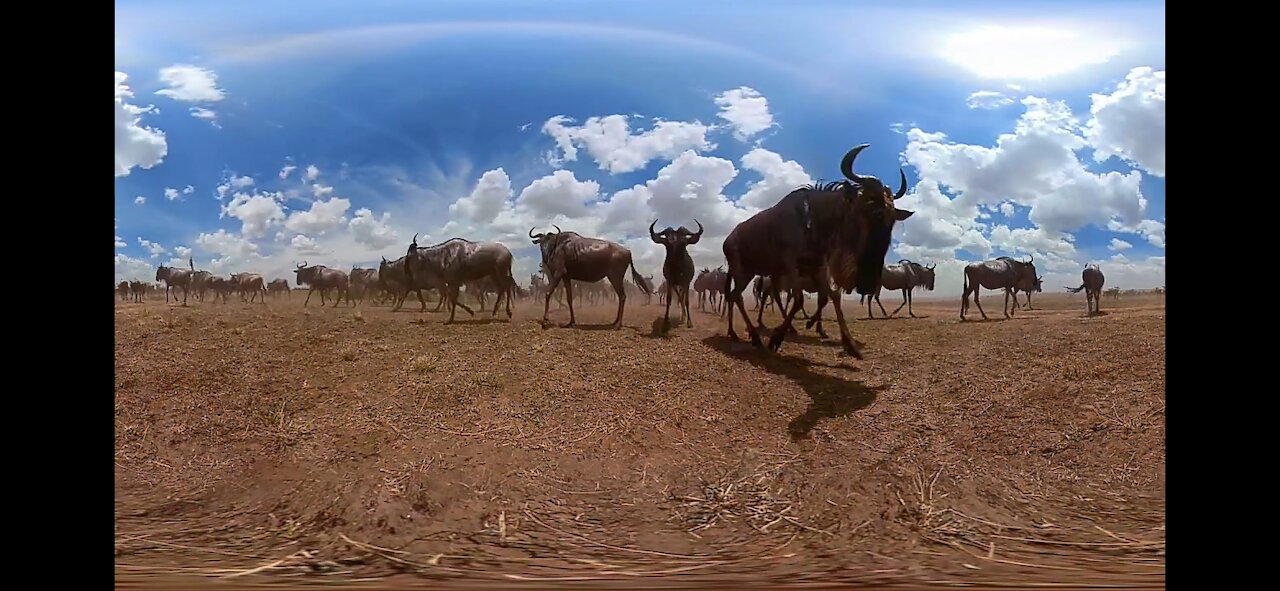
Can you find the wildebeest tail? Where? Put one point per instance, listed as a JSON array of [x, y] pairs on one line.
[[635, 276], [1075, 289]]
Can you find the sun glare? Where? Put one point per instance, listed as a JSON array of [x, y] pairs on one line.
[[1027, 52]]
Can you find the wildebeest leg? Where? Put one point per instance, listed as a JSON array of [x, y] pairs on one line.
[[308, 300], [886, 314], [440, 300], [688, 315], [978, 300], [850, 346], [184, 296], [905, 295], [620, 289], [568, 295], [734, 293], [666, 315], [909, 311], [551, 290], [1007, 311], [780, 333], [867, 298], [782, 309], [816, 319]]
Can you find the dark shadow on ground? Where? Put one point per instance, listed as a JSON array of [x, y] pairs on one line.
[[830, 396]]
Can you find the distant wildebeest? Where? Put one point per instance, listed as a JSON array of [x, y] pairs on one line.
[[766, 290], [362, 282], [457, 261], [569, 257], [1002, 273], [138, 290], [175, 277], [1092, 281], [713, 289], [677, 266], [320, 277], [797, 235], [904, 276], [278, 286], [1037, 287], [220, 286], [1113, 293], [122, 289], [249, 283], [200, 282]]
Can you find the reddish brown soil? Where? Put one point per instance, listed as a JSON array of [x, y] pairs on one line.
[[277, 444]]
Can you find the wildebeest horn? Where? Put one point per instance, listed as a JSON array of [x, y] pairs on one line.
[[652, 234], [846, 165], [531, 232], [1033, 259], [700, 229], [902, 190], [557, 228], [931, 267], [303, 265], [900, 261]]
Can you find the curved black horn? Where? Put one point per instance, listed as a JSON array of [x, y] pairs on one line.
[[931, 267], [651, 232], [902, 189], [557, 228], [303, 265], [1033, 259], [531, 232], [700, 229], [846, 165], [900, 261]]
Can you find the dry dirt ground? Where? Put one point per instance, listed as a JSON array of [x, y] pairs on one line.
[[275, 444]]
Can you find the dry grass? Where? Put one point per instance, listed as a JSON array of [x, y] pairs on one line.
[[276, 443]]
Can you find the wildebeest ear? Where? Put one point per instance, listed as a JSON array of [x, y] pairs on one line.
[[902, 214]]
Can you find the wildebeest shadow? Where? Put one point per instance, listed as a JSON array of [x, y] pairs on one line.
[[829, 396], [551, 325], [489, 320]]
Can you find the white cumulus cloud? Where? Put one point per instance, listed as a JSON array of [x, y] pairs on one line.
[[610, 141], [1129, 122], [137, 145], [746, 110], [191, 84]]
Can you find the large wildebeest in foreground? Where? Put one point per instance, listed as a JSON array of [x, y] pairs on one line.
[[249, 283], [677, 266], [320, 277], [1092, 281], [175, 277], [1002, 273], [569, 257], [904, 276], [279, 286], [457, 261], [797, 235]]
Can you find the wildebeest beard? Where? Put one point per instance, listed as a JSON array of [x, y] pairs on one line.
[[871, 259]]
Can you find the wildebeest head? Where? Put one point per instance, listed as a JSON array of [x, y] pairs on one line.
[[305, 274], [545, 240], [927, 275], [675, 239], [869, 216]]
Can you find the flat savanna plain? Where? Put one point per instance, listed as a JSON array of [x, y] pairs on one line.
[[270, 444]]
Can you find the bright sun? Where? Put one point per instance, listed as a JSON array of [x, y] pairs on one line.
[[1027, 52]]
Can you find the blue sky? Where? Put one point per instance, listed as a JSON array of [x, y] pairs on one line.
[[254, 135]]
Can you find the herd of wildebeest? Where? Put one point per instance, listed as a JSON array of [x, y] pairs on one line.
[[825, 238]]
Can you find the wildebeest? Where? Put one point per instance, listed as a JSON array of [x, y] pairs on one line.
[[122, 289], [362, 281], [1036, 286], [200, 282], [1113, 293], [323, 278], [709, 285], [457, 261], [1002, 273], [278, 286], [249, 282], [1092, 281], [796, 236], [677, 266], [569, 257], [904, 276], [175, 277], [138, 289], [221, 286]]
